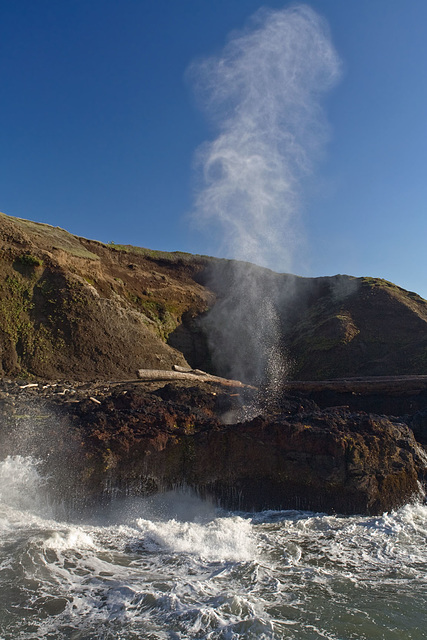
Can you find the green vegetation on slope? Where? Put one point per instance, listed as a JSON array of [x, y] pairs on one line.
[[50, 237]]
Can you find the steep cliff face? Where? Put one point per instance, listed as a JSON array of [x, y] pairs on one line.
[[79, 309]]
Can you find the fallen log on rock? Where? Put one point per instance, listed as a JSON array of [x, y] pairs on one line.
[[180, 373]]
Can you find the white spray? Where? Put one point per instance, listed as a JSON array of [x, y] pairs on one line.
[[262, 92]]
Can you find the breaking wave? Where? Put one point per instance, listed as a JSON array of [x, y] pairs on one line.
[[175, 567]]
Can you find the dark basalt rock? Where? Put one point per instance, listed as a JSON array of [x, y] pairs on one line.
[[103, 440], [418, 424]]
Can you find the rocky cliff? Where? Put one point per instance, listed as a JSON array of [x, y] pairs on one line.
[[83, 310], [98, 441], [79, 309]]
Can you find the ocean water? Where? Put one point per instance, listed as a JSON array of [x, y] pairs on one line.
[[173, 567]]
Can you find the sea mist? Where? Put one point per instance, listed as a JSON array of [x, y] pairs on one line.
[[262, 93]]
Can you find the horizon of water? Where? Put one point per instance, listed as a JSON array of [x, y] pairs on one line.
[[175, 567]]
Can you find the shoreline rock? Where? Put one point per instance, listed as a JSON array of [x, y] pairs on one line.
[[99, 440]]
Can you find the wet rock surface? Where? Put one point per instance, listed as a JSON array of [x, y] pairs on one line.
[[104, 439]]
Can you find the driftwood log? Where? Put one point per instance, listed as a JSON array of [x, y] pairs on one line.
[[180, 373]]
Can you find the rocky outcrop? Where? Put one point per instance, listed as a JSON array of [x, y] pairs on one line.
[[103, 440], [390, 395]]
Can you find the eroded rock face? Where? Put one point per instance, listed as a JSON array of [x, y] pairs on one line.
[[140, 439], [336, 462], [333, 461]]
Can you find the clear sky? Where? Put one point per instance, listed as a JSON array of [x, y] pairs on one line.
[[99, 127]]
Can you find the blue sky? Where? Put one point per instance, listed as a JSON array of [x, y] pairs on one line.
[[99, 127]]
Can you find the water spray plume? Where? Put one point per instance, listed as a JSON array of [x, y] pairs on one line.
[[262, 93]]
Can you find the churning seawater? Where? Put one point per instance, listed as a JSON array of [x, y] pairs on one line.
[[174, 567]]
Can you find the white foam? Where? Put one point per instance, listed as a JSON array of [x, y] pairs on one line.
[[220, 539], [75, 538], [20, 482], [275, 575]]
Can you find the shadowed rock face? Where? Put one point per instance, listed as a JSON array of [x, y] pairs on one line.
[[137, 441], [327, 327], [332, 461]]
